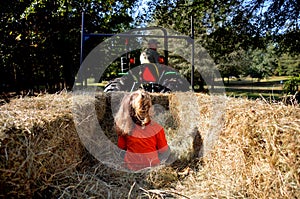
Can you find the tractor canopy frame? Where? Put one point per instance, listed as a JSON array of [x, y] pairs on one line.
[[165, 36]]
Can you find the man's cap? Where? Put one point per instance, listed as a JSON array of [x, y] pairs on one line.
[[153, 41]]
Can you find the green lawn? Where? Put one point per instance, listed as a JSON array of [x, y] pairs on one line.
[[270, 88]]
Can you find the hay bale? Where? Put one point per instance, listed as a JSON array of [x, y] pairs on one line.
[[257, 150], [256, 156], [199, 119], [42, 153], [100, 106], [160, 98], [39, 145], [186, 120]]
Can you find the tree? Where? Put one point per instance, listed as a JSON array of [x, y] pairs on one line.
[[41, 39], [234, 64], [208, 18], [228, 29], [262, 63], [288, 65]]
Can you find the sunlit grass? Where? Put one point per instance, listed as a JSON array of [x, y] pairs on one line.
[[270, 88]]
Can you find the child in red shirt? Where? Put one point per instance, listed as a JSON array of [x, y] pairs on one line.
[[143, 139]]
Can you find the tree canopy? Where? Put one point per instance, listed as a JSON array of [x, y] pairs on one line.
[[239, 34], [41, 39], [40, 45]]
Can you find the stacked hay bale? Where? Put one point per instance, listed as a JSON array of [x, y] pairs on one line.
[[256, 156], [42, 154], [39, 145], [184, 108], [258, 148], [200, 119], [178, 113]]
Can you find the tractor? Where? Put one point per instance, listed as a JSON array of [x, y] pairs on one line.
[[153, 74]]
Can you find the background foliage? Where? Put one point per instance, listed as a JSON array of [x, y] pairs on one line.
[[40, 44], [255, 38], [41, 39]]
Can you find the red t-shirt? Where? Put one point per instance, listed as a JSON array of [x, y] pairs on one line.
[[143, 145]]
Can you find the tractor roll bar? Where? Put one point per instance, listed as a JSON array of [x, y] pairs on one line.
[[190, 39]]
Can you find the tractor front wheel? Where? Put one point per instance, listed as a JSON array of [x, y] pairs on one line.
[[114, 85], [176, 84]]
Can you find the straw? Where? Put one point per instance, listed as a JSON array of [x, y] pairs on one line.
[[223, 148]]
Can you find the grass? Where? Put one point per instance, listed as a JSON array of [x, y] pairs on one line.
[[271, 88]]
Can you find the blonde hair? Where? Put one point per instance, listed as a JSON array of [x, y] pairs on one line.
[[134, 109]]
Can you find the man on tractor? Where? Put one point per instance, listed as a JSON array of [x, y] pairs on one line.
[[151, 51], [150, 66]]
